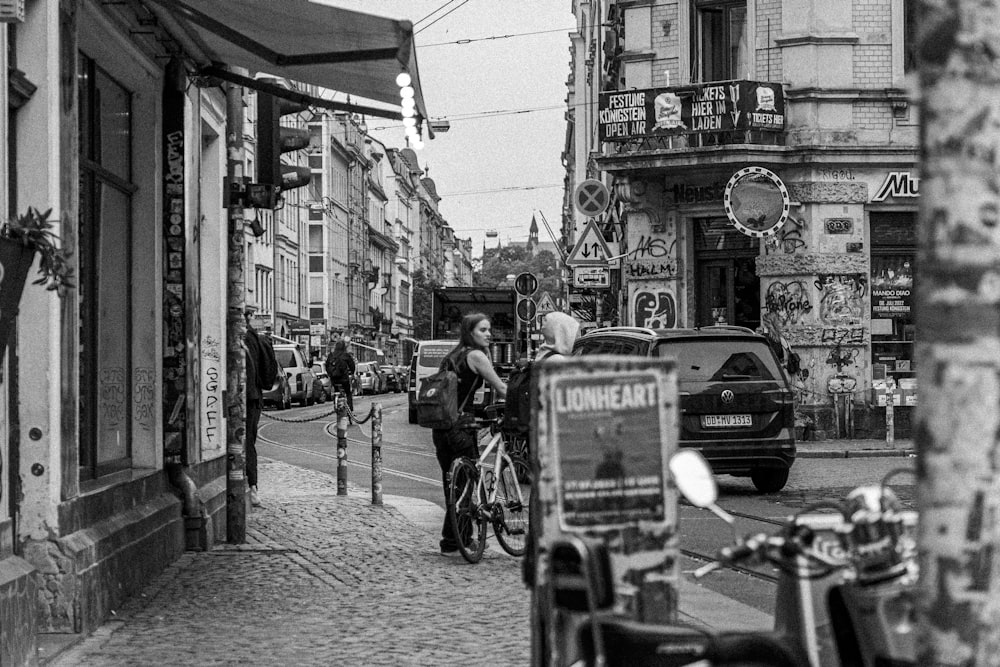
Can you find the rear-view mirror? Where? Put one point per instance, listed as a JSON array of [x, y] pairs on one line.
[[693, 477]]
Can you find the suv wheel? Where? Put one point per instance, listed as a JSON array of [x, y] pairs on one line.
[[769, 480]]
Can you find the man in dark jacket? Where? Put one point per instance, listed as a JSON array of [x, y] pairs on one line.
[[340, 367], [262, 369]]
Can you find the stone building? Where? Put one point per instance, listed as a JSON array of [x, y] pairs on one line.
[[762, 161]]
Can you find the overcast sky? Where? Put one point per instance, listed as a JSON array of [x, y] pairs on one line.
[[505, 100]]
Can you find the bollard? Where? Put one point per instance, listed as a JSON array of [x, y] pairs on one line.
[[343, 421], [376, 453], [890, 425]]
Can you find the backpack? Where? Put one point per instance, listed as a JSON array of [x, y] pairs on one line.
[[268, 371], [339, 368], [517, 408], [437, 400]]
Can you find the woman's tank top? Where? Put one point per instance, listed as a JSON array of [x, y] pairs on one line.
[[468, 380]]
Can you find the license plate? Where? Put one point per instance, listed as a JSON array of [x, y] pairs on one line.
[[724, 421]]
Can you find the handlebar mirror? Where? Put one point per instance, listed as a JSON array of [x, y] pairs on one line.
[[693, 477]]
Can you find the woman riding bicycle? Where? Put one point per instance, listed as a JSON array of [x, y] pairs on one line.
[[471, 362]]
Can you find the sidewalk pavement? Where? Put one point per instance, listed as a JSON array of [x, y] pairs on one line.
[[327, 580]]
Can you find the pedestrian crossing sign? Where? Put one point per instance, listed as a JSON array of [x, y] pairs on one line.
[[591, 249]]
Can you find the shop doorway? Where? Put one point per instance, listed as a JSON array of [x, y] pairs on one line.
[[728, 289]]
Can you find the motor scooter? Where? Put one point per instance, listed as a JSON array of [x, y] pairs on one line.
[[845, 593]]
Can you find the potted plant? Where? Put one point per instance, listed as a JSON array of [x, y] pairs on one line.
[[21, 237]]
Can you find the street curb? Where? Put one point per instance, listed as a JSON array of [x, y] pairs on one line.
[[856, 454]]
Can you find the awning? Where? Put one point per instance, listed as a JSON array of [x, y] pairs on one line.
[[338, 49]]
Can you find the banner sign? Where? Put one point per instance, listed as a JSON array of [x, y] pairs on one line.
[[734, 105]]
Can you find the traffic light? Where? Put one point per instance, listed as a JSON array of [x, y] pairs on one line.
[[273, 139]]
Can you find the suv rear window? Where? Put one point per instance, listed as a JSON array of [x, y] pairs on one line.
[[720, 360]]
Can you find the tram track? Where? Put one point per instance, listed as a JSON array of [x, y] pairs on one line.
[[710, 558]]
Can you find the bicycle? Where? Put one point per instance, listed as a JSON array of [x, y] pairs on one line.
[[497, 492]]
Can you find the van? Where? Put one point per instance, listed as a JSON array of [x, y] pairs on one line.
[[425, 361], [301, 379]]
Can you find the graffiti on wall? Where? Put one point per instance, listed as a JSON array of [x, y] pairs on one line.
[[652, 258], [841, 298], [848, 336], [788, 239], [143, 397], [788, 301], [211, 396], [654, 307]]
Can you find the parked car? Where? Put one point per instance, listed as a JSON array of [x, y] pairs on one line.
[[279, 395], [324, 388], [299, 374], [736, 405], [370, 379], [393, 381], [425, 361]]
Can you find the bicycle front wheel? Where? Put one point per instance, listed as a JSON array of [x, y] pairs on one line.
[[464, 501], [510, 515]]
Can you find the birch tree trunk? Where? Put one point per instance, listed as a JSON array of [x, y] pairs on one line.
[[958, 333]]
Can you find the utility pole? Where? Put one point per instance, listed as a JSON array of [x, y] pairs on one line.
[[958, 320], [236, 509]]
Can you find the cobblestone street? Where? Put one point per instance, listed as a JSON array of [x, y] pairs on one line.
[[321, 580]]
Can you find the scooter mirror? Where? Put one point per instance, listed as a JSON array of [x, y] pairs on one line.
[[694, 478]]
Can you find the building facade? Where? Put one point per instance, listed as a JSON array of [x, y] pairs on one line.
[[114, 426], [762, 156]]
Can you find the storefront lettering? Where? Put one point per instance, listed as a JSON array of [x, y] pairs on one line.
[[697, 194], [898, 184]]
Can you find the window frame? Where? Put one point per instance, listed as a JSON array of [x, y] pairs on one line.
[[697, 60]]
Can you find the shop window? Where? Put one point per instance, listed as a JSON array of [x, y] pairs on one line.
[[909, 37], [721, 47], [105, 256], [892, 270]]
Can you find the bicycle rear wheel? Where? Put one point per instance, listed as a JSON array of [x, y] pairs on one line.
[[510, 514], [464, 501]]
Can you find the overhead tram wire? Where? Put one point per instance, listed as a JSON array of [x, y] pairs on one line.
[[439, 18], [496, 37], [416, 23]]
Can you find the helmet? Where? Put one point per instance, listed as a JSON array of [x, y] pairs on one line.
[[876, 529]]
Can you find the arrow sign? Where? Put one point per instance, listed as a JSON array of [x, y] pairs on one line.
[[591, 249]]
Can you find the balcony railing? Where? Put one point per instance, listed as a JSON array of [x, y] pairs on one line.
[[696, 116]]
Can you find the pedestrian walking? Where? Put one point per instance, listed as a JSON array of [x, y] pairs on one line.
[[471, 361], [261, 371], [340, 367]]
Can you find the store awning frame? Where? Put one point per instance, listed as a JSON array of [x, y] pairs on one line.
[[315, 44]]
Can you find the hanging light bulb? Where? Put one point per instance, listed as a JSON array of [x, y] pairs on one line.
[[409, 121], [406, 91], [408, 102], [408, 112], [417, 144], [402, 79]]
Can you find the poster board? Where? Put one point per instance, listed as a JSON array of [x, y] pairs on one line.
[[603, 430]]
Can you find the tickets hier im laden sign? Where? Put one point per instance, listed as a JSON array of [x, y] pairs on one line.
[[735, 105], [609, 431]]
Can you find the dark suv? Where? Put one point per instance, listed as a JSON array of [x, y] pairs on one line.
[[736, 406]]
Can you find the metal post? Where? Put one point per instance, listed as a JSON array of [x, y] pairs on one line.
[[343, 421], [890, 425], [376, 453], [236, 528]]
